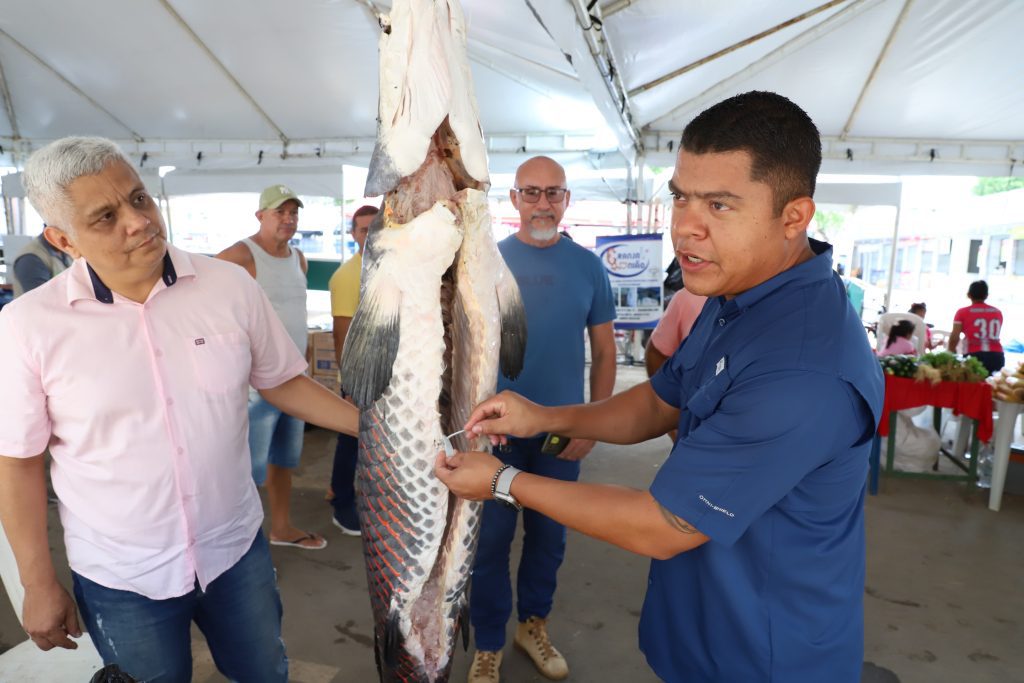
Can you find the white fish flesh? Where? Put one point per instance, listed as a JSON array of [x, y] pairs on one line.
[[439, 313]]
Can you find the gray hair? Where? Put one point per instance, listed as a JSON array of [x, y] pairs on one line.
[[50, 170]]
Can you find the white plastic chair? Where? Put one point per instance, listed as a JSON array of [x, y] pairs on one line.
[[25, 662], [887, 320]]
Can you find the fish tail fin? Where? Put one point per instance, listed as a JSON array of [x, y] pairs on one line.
[[371, 345], [513, 325], [392, 640], [463, 623]]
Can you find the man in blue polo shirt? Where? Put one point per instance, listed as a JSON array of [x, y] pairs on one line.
[[755, 522]]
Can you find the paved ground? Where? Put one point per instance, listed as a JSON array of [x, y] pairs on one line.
[[942, 600]]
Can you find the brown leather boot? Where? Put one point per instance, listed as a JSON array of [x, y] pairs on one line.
[[532, 639], [485, 667]]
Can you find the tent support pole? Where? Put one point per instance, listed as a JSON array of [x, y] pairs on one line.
[[5, 94], [732, 48], [629, 196], [78, 91], [874, 69], [726, 85], [892, 259], [230, 76]]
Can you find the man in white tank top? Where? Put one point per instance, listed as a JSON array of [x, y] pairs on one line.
[[275, 438]]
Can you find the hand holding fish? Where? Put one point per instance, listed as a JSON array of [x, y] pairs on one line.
[[507, 414], [467, 475]]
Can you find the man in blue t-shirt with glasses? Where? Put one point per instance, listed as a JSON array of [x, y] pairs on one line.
[[756, 519], [565, 292]]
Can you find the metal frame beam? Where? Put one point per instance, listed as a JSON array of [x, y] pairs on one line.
[[732, 48], [64, 79], [615, 6], [220, 65], [1004, 156], [712, 93], [874, 69], [575, 30], [5, 94]]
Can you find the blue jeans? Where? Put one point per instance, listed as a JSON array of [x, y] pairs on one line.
[[490, 598], [274, 437], [239, 613], [343, 474]]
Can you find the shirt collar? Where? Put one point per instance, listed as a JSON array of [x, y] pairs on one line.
[[85, 283], [818, 268]]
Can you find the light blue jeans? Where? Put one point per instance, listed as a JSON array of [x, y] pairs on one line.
[[151, 640], [274, 437]]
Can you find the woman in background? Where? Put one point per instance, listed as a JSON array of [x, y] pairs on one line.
[[899, 343]]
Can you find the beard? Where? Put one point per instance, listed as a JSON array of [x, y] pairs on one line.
[[543, 235]]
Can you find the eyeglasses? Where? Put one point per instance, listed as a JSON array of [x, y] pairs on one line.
[[531, 195]]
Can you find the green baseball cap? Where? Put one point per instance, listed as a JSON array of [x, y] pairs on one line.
[[276, 195]]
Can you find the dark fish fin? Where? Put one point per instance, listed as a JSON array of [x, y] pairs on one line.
[[372, 342], [463, 624], [392, 640], [513, 326], [381, 176]]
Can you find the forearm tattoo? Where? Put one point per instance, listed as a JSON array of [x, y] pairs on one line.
[[676, 523]]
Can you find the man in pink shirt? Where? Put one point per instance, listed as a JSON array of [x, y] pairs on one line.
[[133, 367], [673, 328]]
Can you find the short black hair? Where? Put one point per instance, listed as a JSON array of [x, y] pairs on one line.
[[978, 291], [365, 210], [783, 142], [914, 308]]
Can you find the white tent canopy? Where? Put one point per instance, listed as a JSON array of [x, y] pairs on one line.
[[896, 86]]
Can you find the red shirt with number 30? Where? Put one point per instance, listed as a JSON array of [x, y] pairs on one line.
[[981, 325]]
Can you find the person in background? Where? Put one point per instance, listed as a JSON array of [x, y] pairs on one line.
[[672, 330], [899, 343], [855, 291], [776, 396], [344, 286], [980, 324], [920, 310], [38, 263], [134, 366], [566, 294], [275, 437]]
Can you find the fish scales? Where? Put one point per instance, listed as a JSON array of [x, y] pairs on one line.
[[439, 314]]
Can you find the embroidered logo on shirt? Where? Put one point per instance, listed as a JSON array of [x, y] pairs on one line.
[[200, 341], [720, 366], [712, 505]]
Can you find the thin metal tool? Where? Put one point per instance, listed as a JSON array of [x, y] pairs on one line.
[[446, 441]]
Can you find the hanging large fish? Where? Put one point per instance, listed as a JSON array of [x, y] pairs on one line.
[[439, 310]]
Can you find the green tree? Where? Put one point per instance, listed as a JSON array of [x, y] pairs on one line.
[[992, 185], [829, 224]]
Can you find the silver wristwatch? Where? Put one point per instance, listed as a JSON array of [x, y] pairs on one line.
[[501, 486]]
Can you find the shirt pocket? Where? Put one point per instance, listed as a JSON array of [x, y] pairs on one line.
[[221, 362], [705, 399]]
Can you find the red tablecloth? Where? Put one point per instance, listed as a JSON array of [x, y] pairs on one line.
[[972, 400]]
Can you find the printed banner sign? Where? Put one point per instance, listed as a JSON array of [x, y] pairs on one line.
[[633, 264]]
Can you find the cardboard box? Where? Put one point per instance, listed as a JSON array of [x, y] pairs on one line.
[[322, 340], [323, 362], [320, 354]]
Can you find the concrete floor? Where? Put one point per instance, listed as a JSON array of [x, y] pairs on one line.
[[941, 601]]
